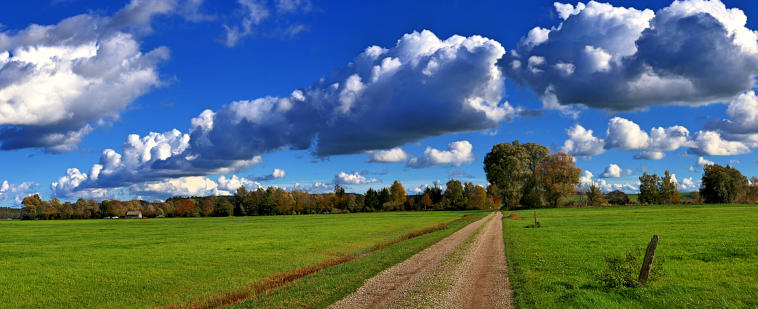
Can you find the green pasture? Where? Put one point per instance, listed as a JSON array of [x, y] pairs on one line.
[[708, 256], [153, 262]]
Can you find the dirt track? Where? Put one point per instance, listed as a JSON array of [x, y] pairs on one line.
[[465, 270]]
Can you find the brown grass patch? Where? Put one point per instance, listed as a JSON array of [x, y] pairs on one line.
[[514, 216], [278, 280]]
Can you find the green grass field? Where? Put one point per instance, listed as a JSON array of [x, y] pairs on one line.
[[152, 262], [710, 252]]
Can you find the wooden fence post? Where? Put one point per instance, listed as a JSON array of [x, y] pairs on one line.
[[535, 220], [647, 263]]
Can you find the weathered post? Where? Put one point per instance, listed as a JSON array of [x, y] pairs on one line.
[[535, 220], [647, 263]]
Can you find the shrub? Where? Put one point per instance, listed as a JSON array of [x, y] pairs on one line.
[[617, 198], [623, 271]]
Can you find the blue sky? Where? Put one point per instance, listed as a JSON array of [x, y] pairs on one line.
[[164, 62]]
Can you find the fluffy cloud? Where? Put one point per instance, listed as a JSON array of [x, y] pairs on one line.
[[396, 154], [700, 163], [615, 171], [256, 12], [444, 86], [139, 162], [15, 193], [316, 187], [710, 143], [420, 189], [354, 178], [742, 124], [581, 142], [184, 186], [234, 182], [616, 58], [276, 174], [58, 81], [627, 135], [457, 154], [624, 134], [605, 186], [650, 155], [688, 184]]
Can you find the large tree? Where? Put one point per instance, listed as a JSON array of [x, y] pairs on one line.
[[668, 193], [478, 199], [560, 176], [397, 193], [648, 188], [722, 184], [454, 197], [512, 166]]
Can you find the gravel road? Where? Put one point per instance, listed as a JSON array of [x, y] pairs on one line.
[[465, 270]]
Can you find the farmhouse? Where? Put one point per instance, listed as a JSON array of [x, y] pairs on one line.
[[134, 214]]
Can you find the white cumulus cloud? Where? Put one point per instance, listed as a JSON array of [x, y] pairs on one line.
[[12, 194], [457, 154], [691, 52], [396, 154], [581, 142], [615, 171], [354, 178], [275, 174], [59, 81]]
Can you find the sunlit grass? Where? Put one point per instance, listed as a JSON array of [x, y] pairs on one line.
[[710, 252]]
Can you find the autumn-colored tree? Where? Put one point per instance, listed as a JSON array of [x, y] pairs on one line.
[[206, 206], [184, 207], [32, 205], [594, 195], [411, 203], [560, 176], [478, 199], [397, 192], [397, 197], [426, 201], [284, 202], [668, 193], [303, 201], [494, 196]]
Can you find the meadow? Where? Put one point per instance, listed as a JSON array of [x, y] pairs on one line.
[[707, 256], [158, 262]]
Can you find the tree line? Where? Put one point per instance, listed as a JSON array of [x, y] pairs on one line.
[[528, 176], [519, 175], [274, 201]]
